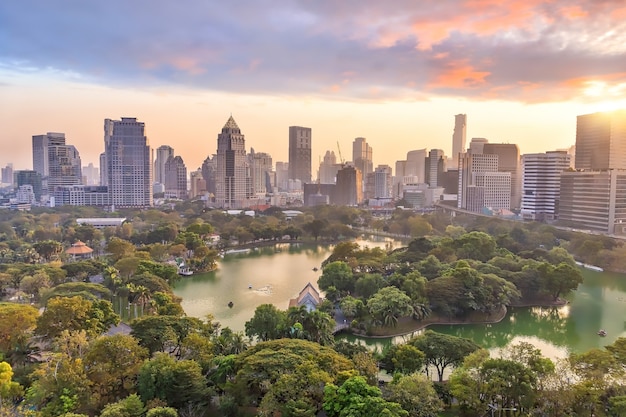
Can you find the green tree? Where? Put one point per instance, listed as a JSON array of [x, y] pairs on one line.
[[16, 321], [162, 412], [560, 280], [178, 383], [76, 313], [415, 393], [355, 398], [443, 350], [118, 248], [267, 323], [406, 359], [131, 406], [112, 365], [336, 274], [261, 366], [9, 389], [48, 249], [388, 304]]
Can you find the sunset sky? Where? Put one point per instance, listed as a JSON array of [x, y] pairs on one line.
[[394, 72]]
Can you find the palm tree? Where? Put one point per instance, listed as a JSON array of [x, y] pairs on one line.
[[420, 311]]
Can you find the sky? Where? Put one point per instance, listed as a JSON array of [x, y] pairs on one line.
[[395, 72]]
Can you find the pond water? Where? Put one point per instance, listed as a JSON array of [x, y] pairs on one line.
[[278, 273]]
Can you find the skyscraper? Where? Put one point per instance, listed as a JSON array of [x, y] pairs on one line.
[[300, 142], [41, 145], [416, 164], [328, 168], [348, 191], [163, 153], [261, 168], [64, 167], [601, 141], [508, 161], [383, 182], [458, 137], [541, 184], [128, 164], [435, 167], [362, 156], [233, 186], [175, 178], [7, 174], [480, 183]]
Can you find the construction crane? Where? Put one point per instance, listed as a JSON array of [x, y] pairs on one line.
[[340, 157]]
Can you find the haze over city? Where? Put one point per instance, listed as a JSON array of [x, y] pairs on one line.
[[520, 70]]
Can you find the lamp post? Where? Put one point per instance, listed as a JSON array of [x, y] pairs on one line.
[[495, 408]]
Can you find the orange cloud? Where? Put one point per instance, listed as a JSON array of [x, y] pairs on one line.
[[459, 74]]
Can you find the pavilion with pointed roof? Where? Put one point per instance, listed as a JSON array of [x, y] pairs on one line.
[[79, 250], [308, 297]]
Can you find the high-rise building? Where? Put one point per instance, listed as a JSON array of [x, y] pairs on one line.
[[64, 167], [163, 153], [104, 174], [477, 145], [7, 174], [175, 178], [197, 184], [383, 182], [91, 175], [233, 186], [329, 168], [458, 137], [601, 141], [362, 156], [209, 173], [261, 168], [435, 167], [300, 142], [282, 176], [41, 145], [32, 178], [594, 200], [541, 184], [480, 183], [508, 161], [128, 163], [348, 191], [416, 164]]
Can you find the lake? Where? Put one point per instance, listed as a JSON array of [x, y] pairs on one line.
[[278, 273]]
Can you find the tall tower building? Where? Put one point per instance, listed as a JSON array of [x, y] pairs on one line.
[[163, 153], [232, 176], [64, 167], [128, 163], [261, 167], [41, 145], [197, 184], [362, 156], [458, 137], [300, 153], [508, 161], [480, 183], [104, 175], [282, 176], [416, 164], [435, 167], [7, 174], [329, 168], [209, 173], [175, 178], [541, 184], [32, 178], [383, 182], [601, 141], [348, 190]]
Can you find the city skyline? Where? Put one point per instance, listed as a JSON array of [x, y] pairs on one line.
[[521, 71]]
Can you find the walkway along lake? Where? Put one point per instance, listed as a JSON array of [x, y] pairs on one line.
[[278, 273]]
